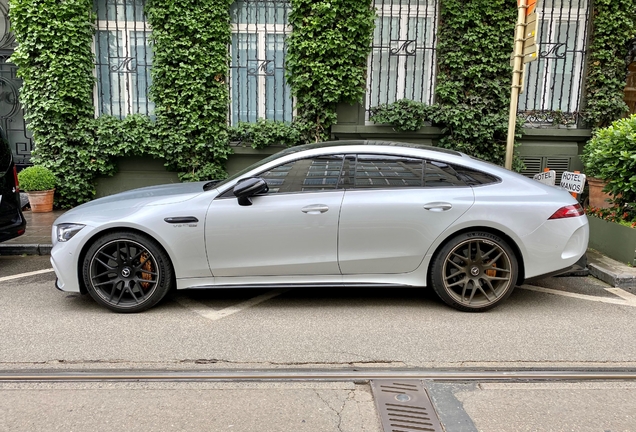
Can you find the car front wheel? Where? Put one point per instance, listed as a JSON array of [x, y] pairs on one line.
[[127, 272], [474, 271]]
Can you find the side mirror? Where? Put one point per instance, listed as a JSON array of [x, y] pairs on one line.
[[248, 187]]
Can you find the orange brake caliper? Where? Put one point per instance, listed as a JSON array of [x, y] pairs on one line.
[[146, 264], [491, 272]]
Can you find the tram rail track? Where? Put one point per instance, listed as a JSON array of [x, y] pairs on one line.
[[358, 374]]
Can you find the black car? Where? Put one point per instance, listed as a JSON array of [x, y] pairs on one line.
[[12, 223]]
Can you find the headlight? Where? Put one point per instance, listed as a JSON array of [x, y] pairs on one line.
[[66, 231]]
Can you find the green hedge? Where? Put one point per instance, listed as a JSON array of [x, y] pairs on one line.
[[189, 74], [55, 63], [265, 133], [611, 155], [326, 59], [614, 24]]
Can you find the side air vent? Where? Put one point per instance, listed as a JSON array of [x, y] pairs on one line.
[[536, 164], [559, 164], [533, 166]]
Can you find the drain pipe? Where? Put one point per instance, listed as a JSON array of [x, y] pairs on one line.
[[517, 71]]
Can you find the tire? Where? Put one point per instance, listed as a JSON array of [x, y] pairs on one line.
[[474, 271], [127, 272]]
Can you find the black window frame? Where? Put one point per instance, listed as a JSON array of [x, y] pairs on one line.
[[342, 185], [230, 192]]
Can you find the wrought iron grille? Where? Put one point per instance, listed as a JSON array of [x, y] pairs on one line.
[[11, 112], [123, 58], [257, 82], [402, 60], [553, 87]]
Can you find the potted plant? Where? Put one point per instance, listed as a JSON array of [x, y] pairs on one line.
[[39, 184], [598, 151], [610, 156]]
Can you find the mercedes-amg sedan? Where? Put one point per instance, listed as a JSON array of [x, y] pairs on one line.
[[344, 213]]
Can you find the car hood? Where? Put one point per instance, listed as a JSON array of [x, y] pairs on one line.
[[130, 201]]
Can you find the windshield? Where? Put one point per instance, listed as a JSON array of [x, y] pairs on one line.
[[280, 154]]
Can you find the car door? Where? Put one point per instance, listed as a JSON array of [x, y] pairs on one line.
[[291, 230], [393, 209]]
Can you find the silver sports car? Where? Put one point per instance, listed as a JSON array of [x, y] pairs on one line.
[[345, 213]]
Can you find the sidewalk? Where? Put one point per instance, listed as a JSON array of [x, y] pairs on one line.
[[37, 241]]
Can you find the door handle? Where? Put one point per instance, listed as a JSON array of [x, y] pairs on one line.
[[315, 209], [438, 206]]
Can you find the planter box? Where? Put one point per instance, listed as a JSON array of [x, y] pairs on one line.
[[140, 171], [244, 155], [135, 172], [616, 241]]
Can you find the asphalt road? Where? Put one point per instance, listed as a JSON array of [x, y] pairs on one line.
[[555, 323], [400, 327]]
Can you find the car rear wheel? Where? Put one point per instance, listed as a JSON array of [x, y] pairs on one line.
[[127, 272], [474, 271]]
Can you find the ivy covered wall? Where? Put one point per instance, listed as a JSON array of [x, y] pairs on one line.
[[326, 59], [473, 87], [613, 26], [326, 65], [189, 72], [55, 64]]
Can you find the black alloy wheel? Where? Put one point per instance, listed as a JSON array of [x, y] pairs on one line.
[[127, 272], [474, 271]]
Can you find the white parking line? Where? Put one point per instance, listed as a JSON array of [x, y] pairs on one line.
[[214, 315], [22, 275], [623, 302], [629, 297]]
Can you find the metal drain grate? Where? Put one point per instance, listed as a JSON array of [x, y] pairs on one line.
[[404, 406]]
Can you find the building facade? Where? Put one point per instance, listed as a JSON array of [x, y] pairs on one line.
[[402, 64]]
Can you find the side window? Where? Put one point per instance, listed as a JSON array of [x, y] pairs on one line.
[[316, 174], [474, 178], [366, 171], [441, 174], [382, 171], [305, 175]]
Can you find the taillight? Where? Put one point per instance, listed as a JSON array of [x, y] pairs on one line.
[[568, 211], [15, 179]]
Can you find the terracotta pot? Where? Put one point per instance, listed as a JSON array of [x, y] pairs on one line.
[[41, 201], [598, 198]]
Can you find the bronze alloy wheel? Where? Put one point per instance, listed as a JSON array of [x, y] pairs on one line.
[[126, 272], [474, 271]]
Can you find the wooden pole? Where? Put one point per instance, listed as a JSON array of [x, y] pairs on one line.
[[517, 71]]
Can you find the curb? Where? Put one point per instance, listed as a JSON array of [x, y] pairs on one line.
[[612, 272], [25, 249], [618, 280]]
